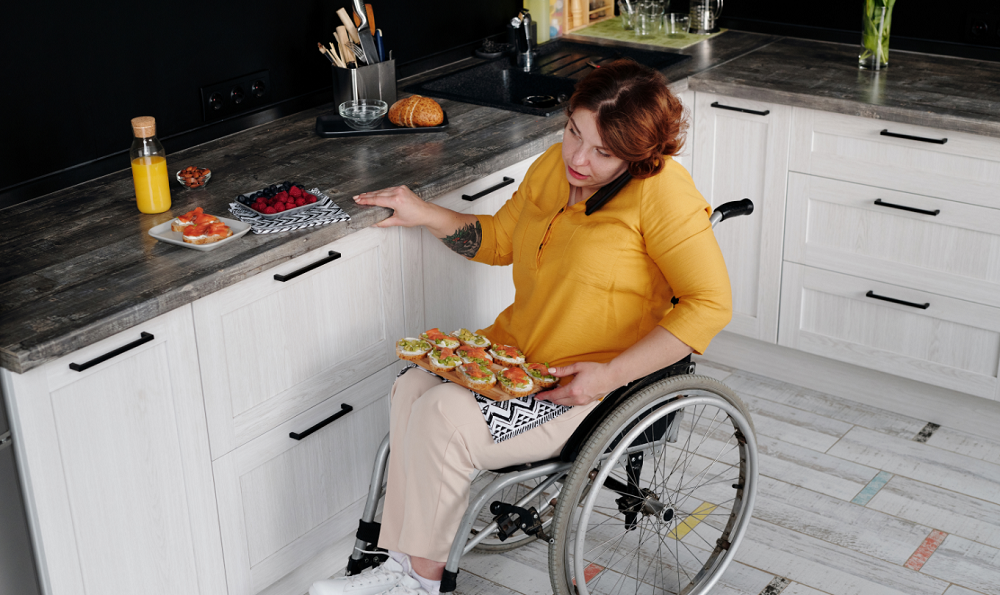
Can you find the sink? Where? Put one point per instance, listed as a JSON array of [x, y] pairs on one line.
[[544, 90]]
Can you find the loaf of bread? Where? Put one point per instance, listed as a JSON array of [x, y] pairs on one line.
[[416, 111]]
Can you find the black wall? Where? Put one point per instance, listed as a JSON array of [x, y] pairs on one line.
[[75, 73], [966, 28]]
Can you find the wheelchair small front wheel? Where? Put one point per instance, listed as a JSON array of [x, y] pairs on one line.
[[675, 467]]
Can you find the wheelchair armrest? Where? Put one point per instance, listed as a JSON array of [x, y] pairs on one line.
[[595, 417]]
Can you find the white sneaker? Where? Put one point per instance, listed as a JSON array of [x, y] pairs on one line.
[[371, 581], [407, 586]]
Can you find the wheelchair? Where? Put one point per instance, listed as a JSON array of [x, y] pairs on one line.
[[653, 492]]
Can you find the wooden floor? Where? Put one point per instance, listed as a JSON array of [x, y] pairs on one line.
[[852, 500]]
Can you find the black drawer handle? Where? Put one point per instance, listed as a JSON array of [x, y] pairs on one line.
[[936, 141], [506, 182], [332, 257], [933, 213], [740, 109], [344, 410], [872, 294], [144, 338]]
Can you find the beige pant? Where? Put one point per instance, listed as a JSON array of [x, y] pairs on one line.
[[437, 437]]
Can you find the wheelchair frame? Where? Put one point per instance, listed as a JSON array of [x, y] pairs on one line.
[[645, 430]]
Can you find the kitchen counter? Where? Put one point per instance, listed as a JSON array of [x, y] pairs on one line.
[[79, 265], [921, 89]]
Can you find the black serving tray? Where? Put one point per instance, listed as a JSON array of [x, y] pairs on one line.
[[333, 125]]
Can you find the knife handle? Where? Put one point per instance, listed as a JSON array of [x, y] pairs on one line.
[[379, 45], [371, 19], [352, 30]]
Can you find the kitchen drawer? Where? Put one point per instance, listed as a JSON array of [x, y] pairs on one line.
[[952, 343], [270, 350], [446, 290], [966, 168], [284, 502], [837, 225]]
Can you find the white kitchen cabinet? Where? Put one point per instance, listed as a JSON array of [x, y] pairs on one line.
[[116, 468], [286, 502], [271, 349], [450, 291], [741, 151], [686, 156], [906, 331], [951, 165]]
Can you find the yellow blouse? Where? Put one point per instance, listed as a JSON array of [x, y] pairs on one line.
[[588, 288]]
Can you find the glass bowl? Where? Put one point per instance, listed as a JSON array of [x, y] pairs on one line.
[[194, 177], [363, 114]]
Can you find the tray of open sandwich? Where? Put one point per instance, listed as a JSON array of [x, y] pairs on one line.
[[495, 371]]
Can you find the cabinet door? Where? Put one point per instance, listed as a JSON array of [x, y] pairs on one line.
[[742, 152], [116, 465], [455, 292], [285, 504], [271, 349], [686, 156]]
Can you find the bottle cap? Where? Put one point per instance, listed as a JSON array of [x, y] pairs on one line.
[[144, 126]]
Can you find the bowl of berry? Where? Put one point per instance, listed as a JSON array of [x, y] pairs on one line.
[[279, 199]]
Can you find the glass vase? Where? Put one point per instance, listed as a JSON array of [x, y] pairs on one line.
[[875, 27]]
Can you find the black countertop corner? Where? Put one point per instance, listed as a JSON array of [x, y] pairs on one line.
[[79, 265]]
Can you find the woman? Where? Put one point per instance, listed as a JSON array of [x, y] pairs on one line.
[[593, 297]]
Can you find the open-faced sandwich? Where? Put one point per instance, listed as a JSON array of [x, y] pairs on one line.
[[440, 339], [474, 354], [471, 339], [412, 349], [206, 233], [515, 382], [186, 220], [442, 359], [540, 375], [506, 355], [478, 376]]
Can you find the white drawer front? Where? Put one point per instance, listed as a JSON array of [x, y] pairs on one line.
[[837, 225], [966, 168], [952, 343], [283, 501], [453, 200], [270, 349]]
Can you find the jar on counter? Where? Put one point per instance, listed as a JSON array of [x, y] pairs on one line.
[[149, 167]]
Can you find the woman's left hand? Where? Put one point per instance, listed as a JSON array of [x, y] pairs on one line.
[[592, 382]]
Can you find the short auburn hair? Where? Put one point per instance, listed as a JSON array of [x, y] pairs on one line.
[[640, 121]]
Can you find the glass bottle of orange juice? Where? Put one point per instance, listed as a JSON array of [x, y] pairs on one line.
[[149, 167]]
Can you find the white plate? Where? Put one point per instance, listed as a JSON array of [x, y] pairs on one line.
[[163, 233]]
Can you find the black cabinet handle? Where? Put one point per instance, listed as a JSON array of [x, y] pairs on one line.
[[506, 182], [143, 338], [936, 141], [332, 257], [874, 295], [344, 410], [740, 109], [933, 213]]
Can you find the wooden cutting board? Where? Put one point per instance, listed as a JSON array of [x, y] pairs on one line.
[[494, 392]]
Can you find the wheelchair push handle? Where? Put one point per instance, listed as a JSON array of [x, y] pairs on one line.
[[730, 210]]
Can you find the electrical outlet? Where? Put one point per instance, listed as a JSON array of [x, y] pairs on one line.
[[982, 28], [235, 96]]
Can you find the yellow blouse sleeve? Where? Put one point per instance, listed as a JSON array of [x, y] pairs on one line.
[[680, 241]]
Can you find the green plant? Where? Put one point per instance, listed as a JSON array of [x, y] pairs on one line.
[[875, 31]]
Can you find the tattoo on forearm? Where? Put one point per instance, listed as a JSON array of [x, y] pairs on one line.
[[466, 240]]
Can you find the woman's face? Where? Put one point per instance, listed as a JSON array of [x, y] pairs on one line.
[[588, 164]]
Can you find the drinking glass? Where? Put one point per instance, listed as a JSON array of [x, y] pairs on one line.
[[627, 11], [675, 24], [649, 16]]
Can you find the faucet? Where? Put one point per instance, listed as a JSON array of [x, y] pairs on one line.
[[525, 42]]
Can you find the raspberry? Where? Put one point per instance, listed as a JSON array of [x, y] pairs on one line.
[[300, 202], [295, 191], [311, 199], [312, 196], [269, 211], [279, 207]]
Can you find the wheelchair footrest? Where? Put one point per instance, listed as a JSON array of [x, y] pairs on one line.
[[366, 561], [510, 518]]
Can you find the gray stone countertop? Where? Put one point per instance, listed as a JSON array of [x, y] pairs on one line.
[[922, 89], [79, 265]]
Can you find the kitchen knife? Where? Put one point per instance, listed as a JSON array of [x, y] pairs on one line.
[[352, 33], [367, 41]]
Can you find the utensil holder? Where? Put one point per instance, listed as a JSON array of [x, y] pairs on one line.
[[375, 81]]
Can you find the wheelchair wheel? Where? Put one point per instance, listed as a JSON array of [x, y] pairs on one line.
[[511, 495], [671, 507]]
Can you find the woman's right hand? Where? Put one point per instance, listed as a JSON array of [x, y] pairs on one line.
[[409, 210]]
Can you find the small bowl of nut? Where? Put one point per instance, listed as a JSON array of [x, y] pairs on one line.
[[194, 177]]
